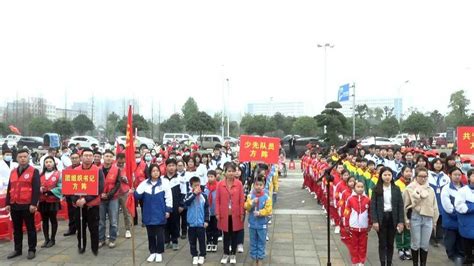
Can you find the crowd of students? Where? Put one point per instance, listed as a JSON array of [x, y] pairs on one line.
[[410, 195], [181, 194]]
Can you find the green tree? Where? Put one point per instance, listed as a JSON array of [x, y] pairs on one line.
[[201, 122], [234, 129], [362, 127], [82, 124], [459, 105], [63, 127], [361, 110], [378, 113], [174, 123], [305, 126], [4, 130], [389, 127], [283, 123], [334, 121], [40, 125], [438, 121], [387, 111], [111, 125], [258, 124], [418, 123], [189, 109], [139, 122]]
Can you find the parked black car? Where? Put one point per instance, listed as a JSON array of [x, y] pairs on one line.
[[301, 145], [30, 142]]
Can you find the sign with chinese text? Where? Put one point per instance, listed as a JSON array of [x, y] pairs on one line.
[[259, 149], [465, 140], [80, 182]]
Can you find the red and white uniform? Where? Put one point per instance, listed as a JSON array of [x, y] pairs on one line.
[[345, 233], [356, 217], [49, 184]]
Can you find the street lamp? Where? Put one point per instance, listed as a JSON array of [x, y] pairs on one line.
[[399, 92], [325, 46]]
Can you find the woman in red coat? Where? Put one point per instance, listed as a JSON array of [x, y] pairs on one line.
[[230, 210]]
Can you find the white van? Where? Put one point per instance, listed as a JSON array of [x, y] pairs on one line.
[[170, 137], [209, 141]]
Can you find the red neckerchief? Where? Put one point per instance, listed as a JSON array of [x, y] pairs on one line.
[[257, 196], [212, 188]]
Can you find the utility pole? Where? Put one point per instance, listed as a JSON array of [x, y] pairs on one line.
[[65, 103], [353, 111], [152, 123], [159, 121], [92, 108]]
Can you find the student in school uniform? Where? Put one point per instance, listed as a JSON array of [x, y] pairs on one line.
[[357, 221], [437, 180], [464, 205], [452, 238], [402, 239]]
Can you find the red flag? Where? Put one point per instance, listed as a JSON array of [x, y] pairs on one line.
[[130, 163], [118, 148], [14, 129], [131, 204]]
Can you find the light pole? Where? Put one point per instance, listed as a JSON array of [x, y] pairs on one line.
[[399, 94], [325, 46]]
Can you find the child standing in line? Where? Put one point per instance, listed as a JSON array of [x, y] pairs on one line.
[[403, 239], [212, 231], [259, 207], [357, 221], [198, 220]]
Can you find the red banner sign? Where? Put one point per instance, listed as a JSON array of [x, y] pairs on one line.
[[259, 149], [465, 140], [80, 182]]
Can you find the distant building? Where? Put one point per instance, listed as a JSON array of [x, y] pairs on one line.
[[31, 107], [69, 113], [270, 108], [395, 103]]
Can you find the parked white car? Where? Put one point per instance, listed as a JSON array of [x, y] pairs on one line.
[[170, 137], [85, 141], [12, 140], [140, 142], [379, 141], [400, 138]]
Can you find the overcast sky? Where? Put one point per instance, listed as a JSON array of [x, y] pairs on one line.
[[170, 51]]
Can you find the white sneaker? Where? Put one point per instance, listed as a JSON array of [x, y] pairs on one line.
[[269, 221], [332, 222], [158, 258], [224, 259], [111, 244], [233, 259], [209, 248], [267, 238], [337, 230], [219, 239], [214, 248], [195, 260], [128, 234], [151, 258], [201, 260], [240, 248]]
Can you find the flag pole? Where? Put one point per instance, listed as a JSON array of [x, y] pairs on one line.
[[133, 243]]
